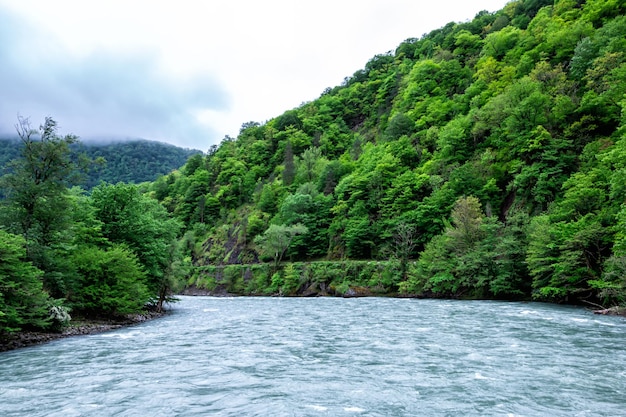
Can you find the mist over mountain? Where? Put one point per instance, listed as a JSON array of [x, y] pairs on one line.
[[125, 160]]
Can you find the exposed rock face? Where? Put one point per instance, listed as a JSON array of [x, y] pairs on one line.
[[315, 290], [357, 292]]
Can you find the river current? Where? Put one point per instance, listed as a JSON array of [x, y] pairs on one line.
[[330, 357]]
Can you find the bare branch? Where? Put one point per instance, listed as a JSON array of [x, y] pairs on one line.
[[24, 131]]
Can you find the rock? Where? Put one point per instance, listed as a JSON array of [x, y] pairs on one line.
[[357, 292], [312, 290]]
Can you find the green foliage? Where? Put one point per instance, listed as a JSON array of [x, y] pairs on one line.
[[276, 283], [476, 256], [130, 161], [143, 225], [498, 143], [112, 282], [133, 161], [23, 302], [291, 280], [37, 204], [105, 254], [59, 316], [275, 241]]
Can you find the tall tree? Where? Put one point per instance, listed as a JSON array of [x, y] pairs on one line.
[[289, 172], [36, 204], [277, 238], [144, 225], [23, 303]]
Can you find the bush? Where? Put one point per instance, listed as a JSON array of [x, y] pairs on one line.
[[59, 316]]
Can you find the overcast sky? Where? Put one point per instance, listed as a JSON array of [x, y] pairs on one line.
[[189, 72]]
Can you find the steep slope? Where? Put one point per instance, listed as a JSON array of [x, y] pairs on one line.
[[488, 152]]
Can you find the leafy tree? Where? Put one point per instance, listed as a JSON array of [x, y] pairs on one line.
[[311, 209], [399, 125], [142, 224], [466, 217], [275, 241], [404, 243], [310, 165], [112, 282], [23, 302], [475, 256], [289, 171], [37, 203]]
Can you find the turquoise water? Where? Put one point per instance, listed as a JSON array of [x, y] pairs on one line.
[[330, 357]]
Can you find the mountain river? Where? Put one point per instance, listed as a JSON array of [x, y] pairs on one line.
[[330, 357]]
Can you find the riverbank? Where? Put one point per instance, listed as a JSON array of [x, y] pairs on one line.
[[79, 327], [612, 311]]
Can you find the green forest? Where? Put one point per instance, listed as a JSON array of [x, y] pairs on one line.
[[132, 161], [485, 159]]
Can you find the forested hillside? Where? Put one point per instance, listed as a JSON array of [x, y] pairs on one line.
[[484, 159], [134, 161], [105, 254]]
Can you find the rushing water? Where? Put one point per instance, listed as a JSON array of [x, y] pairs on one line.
[[330, 357]]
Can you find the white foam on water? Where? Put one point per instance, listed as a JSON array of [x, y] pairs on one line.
[[478, 375], [353, 409], [210, 310], [422, 329], [474, 356], [577, 320], [317, 407], [128, 335], [525, 312]]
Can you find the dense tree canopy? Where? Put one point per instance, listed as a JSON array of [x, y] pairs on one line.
[[134, 161], [104, 255], [485, 159], [496, 142]]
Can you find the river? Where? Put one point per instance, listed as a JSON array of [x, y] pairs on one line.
[[330, 357]]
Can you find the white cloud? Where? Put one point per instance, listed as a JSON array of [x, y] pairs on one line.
[[191, 72]]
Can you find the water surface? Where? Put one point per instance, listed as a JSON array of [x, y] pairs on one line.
[[330, 357]]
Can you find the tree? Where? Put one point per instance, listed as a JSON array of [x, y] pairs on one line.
[[275, 241], [37, 205], [141, 223], [112, 281], [404, 242], [23, 302], [289, 171], [467, 217], [309, 165], [311, 209]]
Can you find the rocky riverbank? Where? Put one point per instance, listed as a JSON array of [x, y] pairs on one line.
[[612, 311], [77, 328]]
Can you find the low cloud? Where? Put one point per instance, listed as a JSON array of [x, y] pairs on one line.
[[104, 94]]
